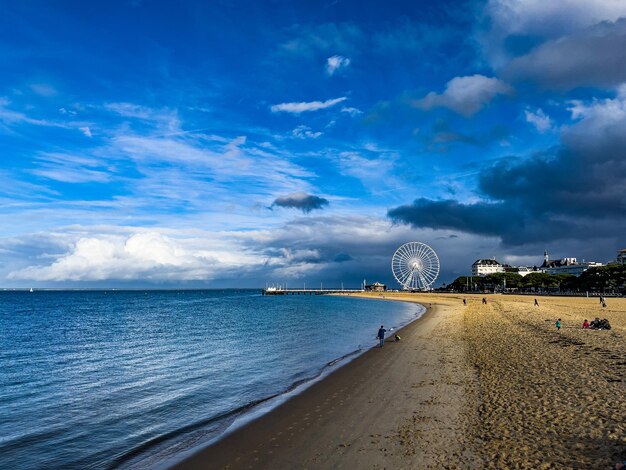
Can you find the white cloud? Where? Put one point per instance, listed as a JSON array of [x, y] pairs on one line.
[[336, 63], [603, 112], [365, 169], [158, 255], [67, 112], [539, 119], [297, 108], [600, 123], [43, 89], [303, 249], [71, 168], [310, 41], [22, 190], [204, 166], [154, 174], [305, 132], [151, 256], [377, 171], [133, 110], [86, 131], [351, 111], [11, 117], [164, 119], [465, 95]]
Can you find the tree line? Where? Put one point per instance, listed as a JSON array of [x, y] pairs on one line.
[[603, 279]]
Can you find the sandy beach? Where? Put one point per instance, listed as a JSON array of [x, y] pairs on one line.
[[475, 386]]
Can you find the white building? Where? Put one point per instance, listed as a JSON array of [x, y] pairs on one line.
[[575, 269], [566, 265], [482, 267]]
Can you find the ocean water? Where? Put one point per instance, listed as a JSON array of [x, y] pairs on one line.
[[106, 379]]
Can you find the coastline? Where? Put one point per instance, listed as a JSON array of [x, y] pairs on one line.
[[168, 451], [363, 414], [475, 386]]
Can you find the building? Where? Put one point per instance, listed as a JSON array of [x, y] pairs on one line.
[[521, 270], [482, 267], [376, 287], [566, 265]]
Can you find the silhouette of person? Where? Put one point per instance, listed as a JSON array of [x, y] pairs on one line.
[[381, 336]]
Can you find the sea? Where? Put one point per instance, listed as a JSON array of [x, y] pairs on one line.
[[137, 379]]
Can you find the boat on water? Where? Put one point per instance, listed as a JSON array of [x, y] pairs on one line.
[[31, 290]]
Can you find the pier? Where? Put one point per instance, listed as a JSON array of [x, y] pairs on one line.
[[280, 291]]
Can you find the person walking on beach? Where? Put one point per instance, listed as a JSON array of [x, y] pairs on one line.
[[536, 303], [381, 336], [484, 301], [558, 325], [464, 302]]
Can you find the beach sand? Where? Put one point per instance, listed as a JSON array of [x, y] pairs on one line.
[[476, 386]]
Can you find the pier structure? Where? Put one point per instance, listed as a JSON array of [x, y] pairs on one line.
[[320, 291]]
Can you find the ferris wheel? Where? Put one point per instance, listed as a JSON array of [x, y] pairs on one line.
[[415, 265]]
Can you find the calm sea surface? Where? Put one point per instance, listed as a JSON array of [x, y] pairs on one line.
[[101, 379]]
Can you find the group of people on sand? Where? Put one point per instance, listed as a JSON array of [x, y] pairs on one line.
[[596, 324]]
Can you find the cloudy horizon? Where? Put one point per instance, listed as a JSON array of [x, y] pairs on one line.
[[221, 145]]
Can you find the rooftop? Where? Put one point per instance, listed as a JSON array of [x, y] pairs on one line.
[[491, 262]]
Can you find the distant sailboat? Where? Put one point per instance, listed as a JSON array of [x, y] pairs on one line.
[[31, 290]]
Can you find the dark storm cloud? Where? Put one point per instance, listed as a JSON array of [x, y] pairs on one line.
[[480, 218], [574, 191], [594, 57], [342, 257], [304, 202]]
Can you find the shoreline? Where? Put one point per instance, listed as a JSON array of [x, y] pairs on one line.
[[350, 411], [253, 411], [484, 386]]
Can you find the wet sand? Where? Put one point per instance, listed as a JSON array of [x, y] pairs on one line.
[[476, 386]]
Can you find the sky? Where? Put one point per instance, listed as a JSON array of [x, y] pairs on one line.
[[239, 143]]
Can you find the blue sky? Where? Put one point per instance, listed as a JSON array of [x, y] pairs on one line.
[[238, 143]]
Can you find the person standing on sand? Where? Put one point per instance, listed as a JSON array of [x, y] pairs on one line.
[[381, 336], [484, 301], [536, 303], [558, 324]]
